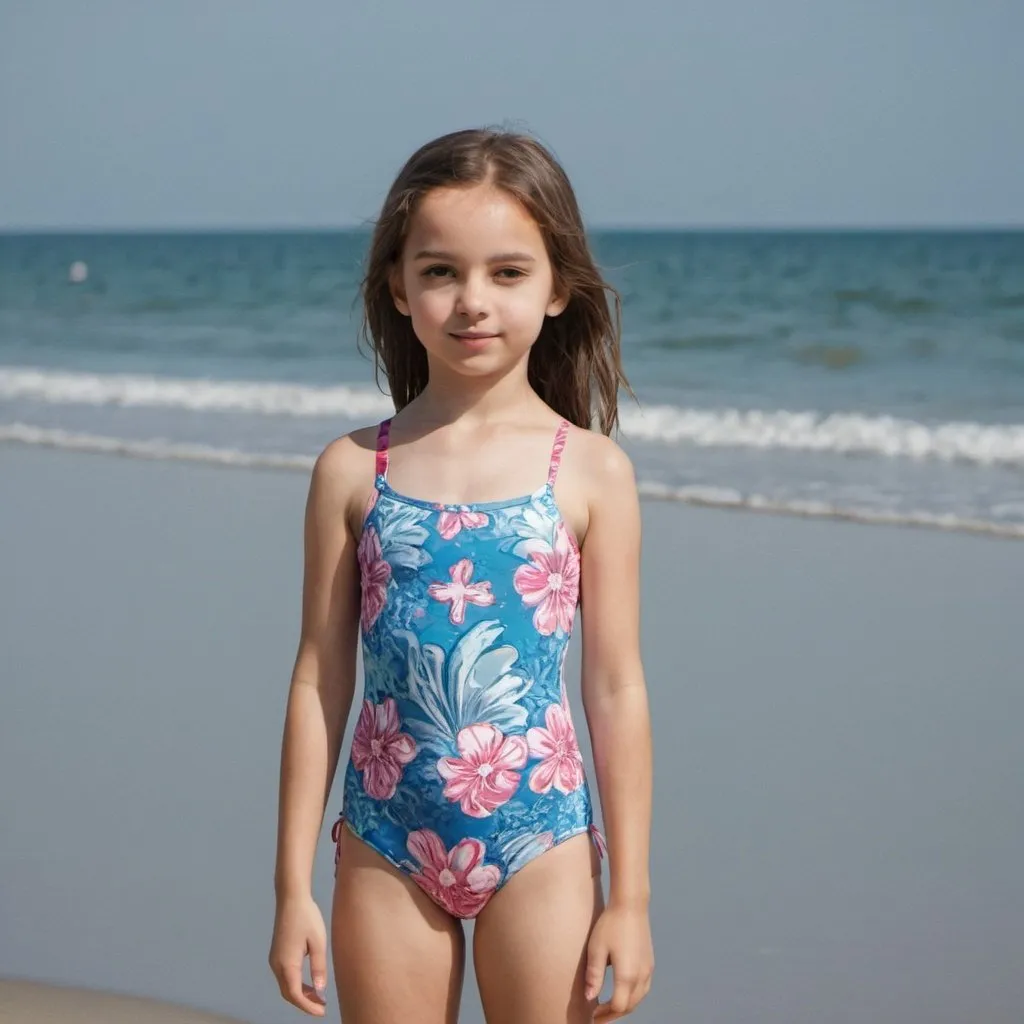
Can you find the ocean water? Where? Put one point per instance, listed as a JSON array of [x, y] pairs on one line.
[[876, 376]]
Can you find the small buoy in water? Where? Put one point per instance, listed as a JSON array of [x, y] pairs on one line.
[[78, 272]]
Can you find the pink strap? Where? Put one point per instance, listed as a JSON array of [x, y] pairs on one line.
[[336, 836], [556, 452], [383, 432]]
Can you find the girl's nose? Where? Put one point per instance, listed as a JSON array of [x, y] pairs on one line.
[[472, 300]]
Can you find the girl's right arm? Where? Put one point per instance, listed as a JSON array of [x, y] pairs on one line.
[[319, 699]]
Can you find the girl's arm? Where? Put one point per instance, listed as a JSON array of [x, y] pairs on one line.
[[615, 701], [319, 699]]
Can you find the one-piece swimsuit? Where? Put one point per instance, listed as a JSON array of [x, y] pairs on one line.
[[465, 764]]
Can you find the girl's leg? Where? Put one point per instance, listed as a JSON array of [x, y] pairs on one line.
[[397, 955], [530, 941]]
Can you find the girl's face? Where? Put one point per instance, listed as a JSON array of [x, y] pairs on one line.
[[476, 280]]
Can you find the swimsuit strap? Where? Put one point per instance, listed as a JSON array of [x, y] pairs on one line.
[[383, 432], [556, 452]]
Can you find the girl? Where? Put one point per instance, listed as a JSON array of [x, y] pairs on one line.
[[465, 794]]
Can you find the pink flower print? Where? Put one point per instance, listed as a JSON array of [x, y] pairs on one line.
[[460, 591], [562, 764], [456, 879], [449, 522], [551, 581], [380, 750], [375, 574], [483, 777]]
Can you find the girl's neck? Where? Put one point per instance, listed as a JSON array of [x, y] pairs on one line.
[[475, 401]]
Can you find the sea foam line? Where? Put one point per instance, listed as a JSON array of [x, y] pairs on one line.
[[721, 497], [22, 433], [835, 433], [781, 430], [706, 497], [128, 390]]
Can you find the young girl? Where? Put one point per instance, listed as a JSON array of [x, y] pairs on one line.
[[456, 540]]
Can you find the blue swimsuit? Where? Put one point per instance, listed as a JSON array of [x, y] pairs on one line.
[[465, 764]]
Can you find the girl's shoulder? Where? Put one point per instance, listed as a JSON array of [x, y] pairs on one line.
[[348, 455], [343, 473], [597, 461], [596, 485]]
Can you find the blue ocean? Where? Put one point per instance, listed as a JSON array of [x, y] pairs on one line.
[[876, 376]]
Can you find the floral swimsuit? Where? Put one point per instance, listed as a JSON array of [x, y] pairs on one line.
[[465, 764]]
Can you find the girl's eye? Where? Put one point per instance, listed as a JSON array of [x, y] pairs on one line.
[[510, 273], [437, 271]]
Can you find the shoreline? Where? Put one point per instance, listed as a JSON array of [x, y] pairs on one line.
[[695, 497]]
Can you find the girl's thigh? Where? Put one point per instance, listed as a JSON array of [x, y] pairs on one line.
[[530, 941], [397, 955]]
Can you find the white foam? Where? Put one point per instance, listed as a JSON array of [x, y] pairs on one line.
[[708, 497], [201, 395], [838, 433], [780, 430], [20, 433], [716, 497]]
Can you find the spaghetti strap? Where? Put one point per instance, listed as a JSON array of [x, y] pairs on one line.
[[383, 433], [556, 452]]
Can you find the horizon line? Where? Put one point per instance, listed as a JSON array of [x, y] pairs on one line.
[[609, 227]]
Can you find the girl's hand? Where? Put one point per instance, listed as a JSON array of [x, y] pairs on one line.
[[621, 936], [299, 930]]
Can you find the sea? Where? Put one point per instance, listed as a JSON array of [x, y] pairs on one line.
[[875, 376]]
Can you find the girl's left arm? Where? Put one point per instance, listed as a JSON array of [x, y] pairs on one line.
[[615, 701]]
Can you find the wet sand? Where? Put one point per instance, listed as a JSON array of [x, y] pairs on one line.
[[838, 827]]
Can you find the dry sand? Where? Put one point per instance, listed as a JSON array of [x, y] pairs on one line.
[[29, 1002]]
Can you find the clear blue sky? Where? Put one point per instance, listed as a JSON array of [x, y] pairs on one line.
[[249, 113]]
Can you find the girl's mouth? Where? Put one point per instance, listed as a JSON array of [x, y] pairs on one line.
[[473, 338]]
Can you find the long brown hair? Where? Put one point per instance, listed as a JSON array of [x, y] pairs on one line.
[[575, 365]]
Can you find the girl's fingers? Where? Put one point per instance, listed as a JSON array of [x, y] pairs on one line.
[[318, 966], [597, 960], [619, 1004], [298, 993]]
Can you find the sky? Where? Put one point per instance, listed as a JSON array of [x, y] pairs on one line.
[[298, 113]]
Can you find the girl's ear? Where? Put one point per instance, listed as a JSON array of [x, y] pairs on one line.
[[558, 303], [398, 291]]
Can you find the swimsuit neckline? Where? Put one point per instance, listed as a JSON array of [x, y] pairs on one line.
[[545, 490], [464, 506]]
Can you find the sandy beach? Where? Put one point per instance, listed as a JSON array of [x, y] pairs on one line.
[[27, 1002], [837, 713]]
